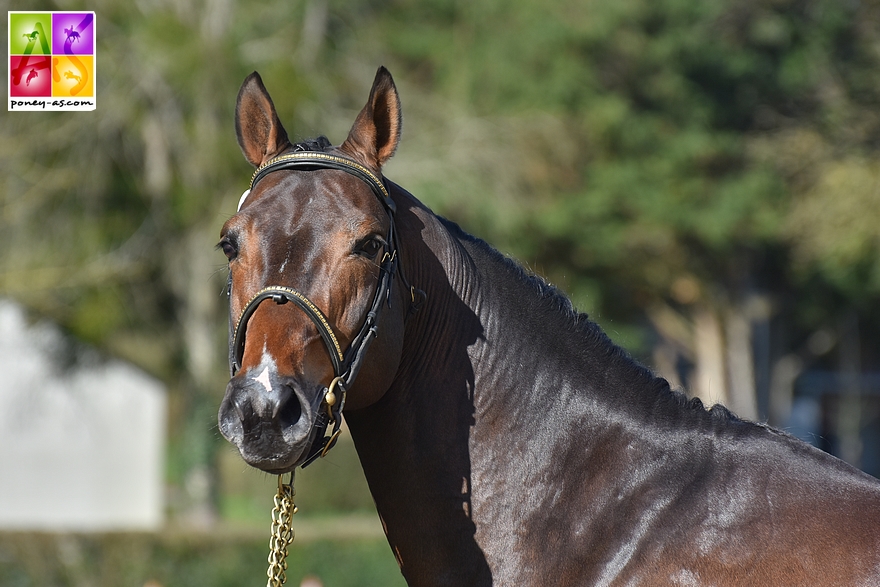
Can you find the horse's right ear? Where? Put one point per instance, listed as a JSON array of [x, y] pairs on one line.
[[259, 131]]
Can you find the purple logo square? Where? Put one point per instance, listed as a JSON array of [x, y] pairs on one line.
[[73, 33]]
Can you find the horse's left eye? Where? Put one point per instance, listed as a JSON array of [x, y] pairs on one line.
[[370, 248]]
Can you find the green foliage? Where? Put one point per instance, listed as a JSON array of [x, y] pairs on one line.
[[618, 148], [835, 226], [640, 140], [675, 156]]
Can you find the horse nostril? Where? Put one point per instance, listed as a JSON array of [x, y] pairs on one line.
[[239, 410], [287, 410], [283, 398]]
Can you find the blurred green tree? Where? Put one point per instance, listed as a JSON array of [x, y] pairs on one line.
[[687, 171], [693, 163]]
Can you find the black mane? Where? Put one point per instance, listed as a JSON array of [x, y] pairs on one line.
[[557, 306]]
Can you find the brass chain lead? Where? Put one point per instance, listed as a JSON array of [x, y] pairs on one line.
[[282, 532]]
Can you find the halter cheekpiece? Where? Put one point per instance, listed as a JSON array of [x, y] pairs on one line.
[[346, 364]]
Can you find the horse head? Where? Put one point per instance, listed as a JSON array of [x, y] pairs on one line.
[[316, 229]]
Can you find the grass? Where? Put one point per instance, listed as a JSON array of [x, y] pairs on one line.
[[222, 558], [339, 538]]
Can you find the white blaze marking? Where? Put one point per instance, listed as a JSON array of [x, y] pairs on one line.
[[264, 379]]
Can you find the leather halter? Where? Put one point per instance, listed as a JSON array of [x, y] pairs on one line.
[[345, 364]]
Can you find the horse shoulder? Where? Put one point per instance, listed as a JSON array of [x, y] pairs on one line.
[[726, 502], [780, 512]]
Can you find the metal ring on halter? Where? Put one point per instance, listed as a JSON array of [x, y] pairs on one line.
[[331, 442], [281, 482], [336, 415], [330, 396]]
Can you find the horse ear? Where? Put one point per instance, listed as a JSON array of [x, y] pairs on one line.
[[259, 131], [376, 132]]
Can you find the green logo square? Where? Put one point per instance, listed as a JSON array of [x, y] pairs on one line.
[[29, 33]]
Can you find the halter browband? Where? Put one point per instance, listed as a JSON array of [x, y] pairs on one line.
[[345, 364], [310, 160]]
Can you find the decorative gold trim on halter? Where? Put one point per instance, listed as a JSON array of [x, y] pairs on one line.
[[307, 156], [290, 291]]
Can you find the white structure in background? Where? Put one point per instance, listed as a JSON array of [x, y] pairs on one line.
[[82, 438]]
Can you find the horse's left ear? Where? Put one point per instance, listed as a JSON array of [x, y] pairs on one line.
[[376, 132]]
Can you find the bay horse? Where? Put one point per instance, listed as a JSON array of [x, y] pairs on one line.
[[505, 439]]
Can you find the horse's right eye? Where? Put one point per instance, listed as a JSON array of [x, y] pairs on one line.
[[228, 249]]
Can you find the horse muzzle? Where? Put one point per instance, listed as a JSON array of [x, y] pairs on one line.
[[270, 418]]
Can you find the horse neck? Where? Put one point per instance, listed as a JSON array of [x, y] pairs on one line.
[[493, 368], [413, 442], [493, 344], [513, 341]]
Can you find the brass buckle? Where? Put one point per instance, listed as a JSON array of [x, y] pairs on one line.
[[330, 399], [330, 396]]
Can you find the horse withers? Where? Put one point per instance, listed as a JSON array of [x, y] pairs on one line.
[[505, 439]]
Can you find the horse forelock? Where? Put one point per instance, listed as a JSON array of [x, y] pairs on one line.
[[318, 144]]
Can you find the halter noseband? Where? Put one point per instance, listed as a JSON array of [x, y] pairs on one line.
[[345, 364]]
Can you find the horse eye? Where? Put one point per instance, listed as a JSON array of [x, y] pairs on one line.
[[370, 248], [228, 249]]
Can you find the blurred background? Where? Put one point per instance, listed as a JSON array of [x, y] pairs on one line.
[[702, 177]]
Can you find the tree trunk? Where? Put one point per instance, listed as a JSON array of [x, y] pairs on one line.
[[710, 374], [742, 391]]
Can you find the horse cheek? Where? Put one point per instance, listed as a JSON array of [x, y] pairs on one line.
[[382, 360]]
